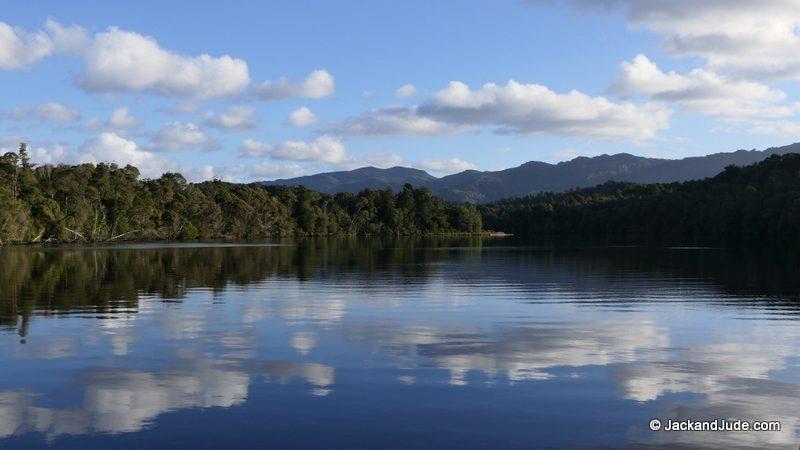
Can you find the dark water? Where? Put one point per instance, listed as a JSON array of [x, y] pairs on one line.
[[346, 344]]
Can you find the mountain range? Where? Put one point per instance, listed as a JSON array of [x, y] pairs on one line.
[[534, 176]]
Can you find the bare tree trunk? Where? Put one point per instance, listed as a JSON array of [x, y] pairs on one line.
[[355, 215], [75, 233], [121, 235], [36, 239]]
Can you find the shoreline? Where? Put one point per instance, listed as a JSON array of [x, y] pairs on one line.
[[241, 241]]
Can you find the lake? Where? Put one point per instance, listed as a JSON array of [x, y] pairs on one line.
[[456, 343]]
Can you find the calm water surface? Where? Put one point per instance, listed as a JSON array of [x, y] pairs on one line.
[[347, 344]]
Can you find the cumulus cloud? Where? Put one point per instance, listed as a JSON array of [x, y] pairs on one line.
[[205, 172], [121, 118], [394, 121], [318, 84], [110, 147], [302, 117], [20, 49], [515, 108], [51, 112], [446, 166], [106, 147], [406, 90], [181, 136], [124, 61], [518, 108], [235, 118], [120, 121], [72, 39], [322, 149], [700, 90], [745, 38]]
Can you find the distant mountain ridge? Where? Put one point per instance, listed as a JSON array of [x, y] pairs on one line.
[[533, 177]]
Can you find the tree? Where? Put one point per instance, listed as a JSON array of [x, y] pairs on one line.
[[24, 157], [105, 202]]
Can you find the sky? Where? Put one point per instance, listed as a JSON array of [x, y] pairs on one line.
[[247, 91]]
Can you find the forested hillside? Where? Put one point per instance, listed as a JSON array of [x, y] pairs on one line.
[[755, 203], [96, 203], [535, 177], [103, 203]]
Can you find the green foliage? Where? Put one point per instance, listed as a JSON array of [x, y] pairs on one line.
[[104, 202], [754, 203]]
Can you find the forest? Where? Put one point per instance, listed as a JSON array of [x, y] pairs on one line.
[[757, 203], [107, 203]]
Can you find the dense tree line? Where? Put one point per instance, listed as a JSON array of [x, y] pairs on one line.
[[104, 202], [754, 203]]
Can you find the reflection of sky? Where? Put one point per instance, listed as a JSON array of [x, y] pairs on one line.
[[660, 343]]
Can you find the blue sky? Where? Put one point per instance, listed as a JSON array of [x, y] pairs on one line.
[[245, 92]]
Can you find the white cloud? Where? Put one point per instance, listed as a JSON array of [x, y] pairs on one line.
[[317, 85], [302, 117], [406, 90], [322, 149], [534, 109], [235, 118], [515, 108], [106, 147], [253, 149], [52, 154], [743, 37], [394, 121], [20, 49], [205, 172], [110, 147], [121, 118], [124, 61], [72, 39], [181, 136], [700, 90], [51, 112], [446, 166], [368, 94]]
